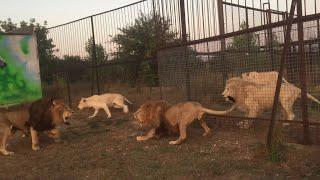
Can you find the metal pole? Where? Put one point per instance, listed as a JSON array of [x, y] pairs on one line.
[[68, 89], [279, 80], [94, 58], [156, 43], [184, 39], [270, 38], [302, 75], [222, 41]]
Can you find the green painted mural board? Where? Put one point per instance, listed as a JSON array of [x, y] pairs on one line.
[[19, 70]]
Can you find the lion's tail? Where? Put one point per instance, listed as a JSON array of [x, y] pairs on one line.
[[127, 100], [214, 112], [313, 98]]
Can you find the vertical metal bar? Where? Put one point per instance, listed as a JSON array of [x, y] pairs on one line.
[[279, 80], [247, 27], [270, 38], [302, 75], [94, 57], [68, 89], [221, 24], [222, 41], [184, 39]]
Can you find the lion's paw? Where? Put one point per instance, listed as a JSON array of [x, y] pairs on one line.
[[244, 125], [206, 134], [285, 124], [174, 143], [7, 153], [35, 148], [140, 138]]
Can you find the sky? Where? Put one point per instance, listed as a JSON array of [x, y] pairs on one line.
[[55, 11]]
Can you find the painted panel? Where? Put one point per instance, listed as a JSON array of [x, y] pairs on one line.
[[19, 70]]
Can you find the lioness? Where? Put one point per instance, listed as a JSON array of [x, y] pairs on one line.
[[103, 102], [270, 78], [262, 77], [176, 118], [12, 119], [252, 98], [45, 115]]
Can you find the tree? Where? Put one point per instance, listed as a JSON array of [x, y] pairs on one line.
[[140, 40], [245, 42], [100, 51], [45, 45]]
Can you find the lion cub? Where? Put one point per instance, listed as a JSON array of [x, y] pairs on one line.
[[176, 118], [104, 101]]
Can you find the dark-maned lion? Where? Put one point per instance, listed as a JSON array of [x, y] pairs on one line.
[[176, 118], [15, 118], [45, 115]]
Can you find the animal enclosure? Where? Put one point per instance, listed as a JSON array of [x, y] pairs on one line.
[[181, 50]]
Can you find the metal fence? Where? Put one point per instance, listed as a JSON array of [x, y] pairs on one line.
[[209, 42]]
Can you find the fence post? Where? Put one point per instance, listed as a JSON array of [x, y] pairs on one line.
[[184, 41], [279, 80], [302, 76], [68, 89], [270, 38], [155, 15], [222, 41], [94, 59]]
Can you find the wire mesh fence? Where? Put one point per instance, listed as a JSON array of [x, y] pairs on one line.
[[188, 50]]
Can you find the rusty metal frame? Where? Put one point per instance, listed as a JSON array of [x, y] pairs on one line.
[[283, 63], [250, 30], [302, 75]]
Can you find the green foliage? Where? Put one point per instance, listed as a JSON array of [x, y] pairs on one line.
[[45, 45], [100, 51], [142, 38], [139, 42], [244, 42], [14, 81]]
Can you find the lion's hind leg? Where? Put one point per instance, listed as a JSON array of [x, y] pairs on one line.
[[149, 135], [183, 135], [34, 139], [204, 125], [6, 131], [55, 134]]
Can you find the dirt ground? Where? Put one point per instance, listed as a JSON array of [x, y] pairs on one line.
[[106, 149]]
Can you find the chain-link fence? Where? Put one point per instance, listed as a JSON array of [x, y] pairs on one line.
[[182, 50]]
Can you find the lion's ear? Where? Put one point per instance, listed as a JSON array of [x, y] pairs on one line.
[[57, 101]]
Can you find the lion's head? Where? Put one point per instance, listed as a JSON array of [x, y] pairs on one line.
[[83, 103], [150, 113], [230, 90], [60, 112], [248, 76], [46, 113]]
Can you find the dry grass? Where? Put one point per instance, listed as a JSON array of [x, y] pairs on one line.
[[107, 149]]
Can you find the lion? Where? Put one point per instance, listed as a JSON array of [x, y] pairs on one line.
[[262, 77], [103, 102], [175, 118], [15, 118], [253, 98], [270, 78], [45, 115]]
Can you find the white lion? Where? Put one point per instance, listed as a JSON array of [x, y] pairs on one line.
[[104, 101], [270, 77], [254, 98]]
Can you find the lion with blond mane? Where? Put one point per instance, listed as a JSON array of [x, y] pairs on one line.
[[157, 116]]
